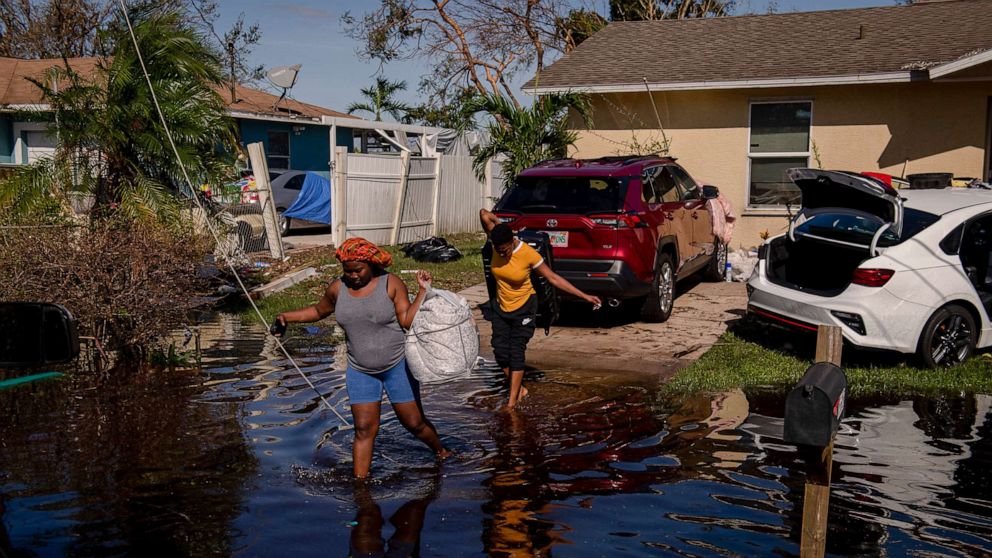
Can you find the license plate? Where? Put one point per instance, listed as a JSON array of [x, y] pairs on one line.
[[559, 239]]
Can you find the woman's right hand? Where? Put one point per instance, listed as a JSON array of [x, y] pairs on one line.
[[278, 327]]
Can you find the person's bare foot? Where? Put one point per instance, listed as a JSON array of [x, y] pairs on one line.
[[523, 393], [443, 454]]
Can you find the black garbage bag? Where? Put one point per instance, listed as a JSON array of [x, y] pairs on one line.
[[432, 250]]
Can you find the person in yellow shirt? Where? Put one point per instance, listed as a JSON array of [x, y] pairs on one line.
[[515, 311]]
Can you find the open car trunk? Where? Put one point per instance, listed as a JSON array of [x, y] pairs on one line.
[[845, 219], [811, 265]]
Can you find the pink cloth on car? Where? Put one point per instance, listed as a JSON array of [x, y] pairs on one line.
[[722, 214]]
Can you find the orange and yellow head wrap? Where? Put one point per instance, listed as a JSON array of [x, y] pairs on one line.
[[361, 250]]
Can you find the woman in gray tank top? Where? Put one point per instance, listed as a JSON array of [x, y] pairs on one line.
[[373, 308]]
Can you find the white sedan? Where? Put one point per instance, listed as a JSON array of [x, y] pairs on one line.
[[903, 270]]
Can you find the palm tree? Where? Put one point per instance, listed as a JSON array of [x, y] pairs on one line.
[[379, 100], [112, 145], [524, 136]]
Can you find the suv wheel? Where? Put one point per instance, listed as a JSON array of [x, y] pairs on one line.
[[949, 337], [717, 268], [658, 306], [283, 222]]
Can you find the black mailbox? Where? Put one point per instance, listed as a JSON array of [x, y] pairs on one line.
[[814, 409]]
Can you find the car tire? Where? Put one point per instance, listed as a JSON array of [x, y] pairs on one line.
[[717, 268], [285, 223], [658, 305], [948, 338]]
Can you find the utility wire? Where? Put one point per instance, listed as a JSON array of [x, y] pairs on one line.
[[210, 224]]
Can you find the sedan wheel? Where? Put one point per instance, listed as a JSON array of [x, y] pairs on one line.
[[284, 224], [948, 338]]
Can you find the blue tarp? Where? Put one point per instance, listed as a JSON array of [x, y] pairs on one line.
[[314, 201]]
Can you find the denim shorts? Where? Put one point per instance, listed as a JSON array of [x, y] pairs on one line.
[[363, 387]]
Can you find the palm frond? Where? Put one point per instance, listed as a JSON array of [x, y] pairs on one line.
[[523, 136]]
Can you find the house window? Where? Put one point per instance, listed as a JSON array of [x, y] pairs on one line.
[[779, 141], [278, 155]]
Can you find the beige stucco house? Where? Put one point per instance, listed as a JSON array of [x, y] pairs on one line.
[[900, 90]]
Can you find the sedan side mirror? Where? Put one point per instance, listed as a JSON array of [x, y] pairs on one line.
[[710, 192], [35, 334]]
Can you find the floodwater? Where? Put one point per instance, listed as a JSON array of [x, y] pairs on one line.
[[241, 459]]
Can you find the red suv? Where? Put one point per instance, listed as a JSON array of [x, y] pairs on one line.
[[621, 227]]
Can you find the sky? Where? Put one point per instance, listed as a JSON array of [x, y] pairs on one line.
[[309, 32]]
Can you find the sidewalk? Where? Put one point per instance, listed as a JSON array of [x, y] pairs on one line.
[[609, 342]]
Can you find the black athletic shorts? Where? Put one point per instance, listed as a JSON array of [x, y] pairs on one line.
[[512, 331]]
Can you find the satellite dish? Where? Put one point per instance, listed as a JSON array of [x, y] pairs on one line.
[[285, 78]]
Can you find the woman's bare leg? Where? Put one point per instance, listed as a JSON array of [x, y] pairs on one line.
[[414, 421], [366, 417]]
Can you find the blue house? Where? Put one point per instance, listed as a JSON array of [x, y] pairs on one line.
[[293, 133], [296, 135]]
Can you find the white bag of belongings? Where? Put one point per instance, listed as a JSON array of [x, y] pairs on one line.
[[742, 263], [443, 341]]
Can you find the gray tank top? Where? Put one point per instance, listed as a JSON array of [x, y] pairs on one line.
[[376, 341]]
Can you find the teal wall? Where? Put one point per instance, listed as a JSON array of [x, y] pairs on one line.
[[345, 139], [6, 140], [308, 150]]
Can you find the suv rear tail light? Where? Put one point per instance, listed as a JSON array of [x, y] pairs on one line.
[[621, 221], [872, 277]]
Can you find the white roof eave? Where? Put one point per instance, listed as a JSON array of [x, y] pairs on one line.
[[855, 79], [961, 64], [370, 125]]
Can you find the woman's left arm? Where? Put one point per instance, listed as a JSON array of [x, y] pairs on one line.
[[562, 284], [405, 310]]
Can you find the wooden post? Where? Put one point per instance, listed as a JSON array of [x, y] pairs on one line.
[[819, 462], [400, 197], [270, 218], [339, 210], [437, 194]]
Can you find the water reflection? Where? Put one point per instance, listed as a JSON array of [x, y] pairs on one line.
[[241, 459], [121, 463], [518, 491], [366, 535]]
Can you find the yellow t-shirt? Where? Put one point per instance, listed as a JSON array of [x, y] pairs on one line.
[[512, 276]]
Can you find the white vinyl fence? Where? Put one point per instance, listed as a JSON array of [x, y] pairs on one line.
[[392, 199]]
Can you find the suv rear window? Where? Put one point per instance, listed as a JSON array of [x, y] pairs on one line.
[[564, 194], [860, 229]]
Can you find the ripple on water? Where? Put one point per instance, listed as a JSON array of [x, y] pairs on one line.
[[243, 458]]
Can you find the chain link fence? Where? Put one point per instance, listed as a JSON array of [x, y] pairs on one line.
[[239, 207]]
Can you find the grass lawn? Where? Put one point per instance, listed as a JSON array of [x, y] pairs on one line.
[[753, 356], [452, 276]]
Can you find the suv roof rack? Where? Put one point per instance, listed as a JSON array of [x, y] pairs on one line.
[[629, 159], [614, 160]]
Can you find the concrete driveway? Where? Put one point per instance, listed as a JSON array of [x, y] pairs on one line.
[[611, 340], [308, 238]]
